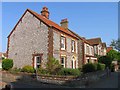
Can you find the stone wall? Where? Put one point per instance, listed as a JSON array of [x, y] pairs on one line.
[[29, 37], [70, 81]]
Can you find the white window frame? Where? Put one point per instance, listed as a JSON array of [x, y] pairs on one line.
[[73, 45], [35, 62], [73, 63], [62, 42]]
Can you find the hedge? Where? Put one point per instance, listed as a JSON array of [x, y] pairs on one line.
[[100, 66], [42, 71], [69, 71], [89, 67], [7, 64], [28, 69]]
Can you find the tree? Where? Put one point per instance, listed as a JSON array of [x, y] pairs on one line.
[[116, 44], [105, 60], [114, 55], [53, 65]]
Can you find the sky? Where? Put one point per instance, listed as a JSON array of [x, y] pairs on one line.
[[88, 19]]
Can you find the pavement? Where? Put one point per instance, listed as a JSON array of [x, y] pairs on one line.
[[107, 82]]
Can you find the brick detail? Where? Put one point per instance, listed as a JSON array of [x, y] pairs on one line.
[[50, 42]]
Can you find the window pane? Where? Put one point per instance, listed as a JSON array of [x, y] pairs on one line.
[[73, 45], [62, 60], [62, 42], [38, 59]]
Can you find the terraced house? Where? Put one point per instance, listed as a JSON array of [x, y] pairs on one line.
[[35, 38]]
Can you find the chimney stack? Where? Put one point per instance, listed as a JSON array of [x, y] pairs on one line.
[[64, 23], [45, 12]]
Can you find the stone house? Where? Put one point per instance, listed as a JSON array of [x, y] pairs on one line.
[[97, 44], [35, 38]]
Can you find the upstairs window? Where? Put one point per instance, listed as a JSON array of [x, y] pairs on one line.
[[62, 43], [87, 50], [73, 46]]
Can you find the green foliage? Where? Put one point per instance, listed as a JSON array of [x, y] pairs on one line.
[[7, 64], [28, 69], [42, 71], [116, 44], [15, 70], [100, 66], [112, 68], [53, 66], [105, 60], [3, 58], [89, 67], [114, 55], [69, 71]]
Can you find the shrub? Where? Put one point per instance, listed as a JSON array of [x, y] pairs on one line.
[[100, 66], [14, 70], [7, 64], [28, 69], [89, 67], [112, 68], [53, 65], [69, 71], [105, 60], [42, 71]]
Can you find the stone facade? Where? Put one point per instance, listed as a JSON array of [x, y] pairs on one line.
[[57, 52], [29, 37]]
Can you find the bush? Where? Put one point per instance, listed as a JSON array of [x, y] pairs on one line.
[[105, 60], [15, 70], [53, 66], [89, 67], [69, 71], [42, 71], [112, 68], [28, 69], [100, 66], [7, 64]]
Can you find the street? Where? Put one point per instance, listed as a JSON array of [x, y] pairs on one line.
[[107, 82]]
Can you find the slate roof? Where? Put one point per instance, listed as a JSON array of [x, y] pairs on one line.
[[94, 41]]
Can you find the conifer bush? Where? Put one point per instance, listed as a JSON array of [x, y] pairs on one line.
[[7, 64]]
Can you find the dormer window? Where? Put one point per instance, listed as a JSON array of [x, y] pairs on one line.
[[62, 43], [73, 46]]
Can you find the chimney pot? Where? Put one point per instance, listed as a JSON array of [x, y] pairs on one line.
[[45, 12]]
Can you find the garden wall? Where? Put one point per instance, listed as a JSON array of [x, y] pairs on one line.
[[71, 81]]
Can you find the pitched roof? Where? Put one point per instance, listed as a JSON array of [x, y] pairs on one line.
[[109, 48], [47, 22], [83, 39], [94, 41]]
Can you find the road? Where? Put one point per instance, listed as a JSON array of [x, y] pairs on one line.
[[107, 82]]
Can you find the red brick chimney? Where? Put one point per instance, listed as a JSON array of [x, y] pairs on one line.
[[45, 12], [64, 23]]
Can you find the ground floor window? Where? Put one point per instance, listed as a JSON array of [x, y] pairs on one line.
[[73, 63], [37, 59], [63, 59], [88, 60]]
